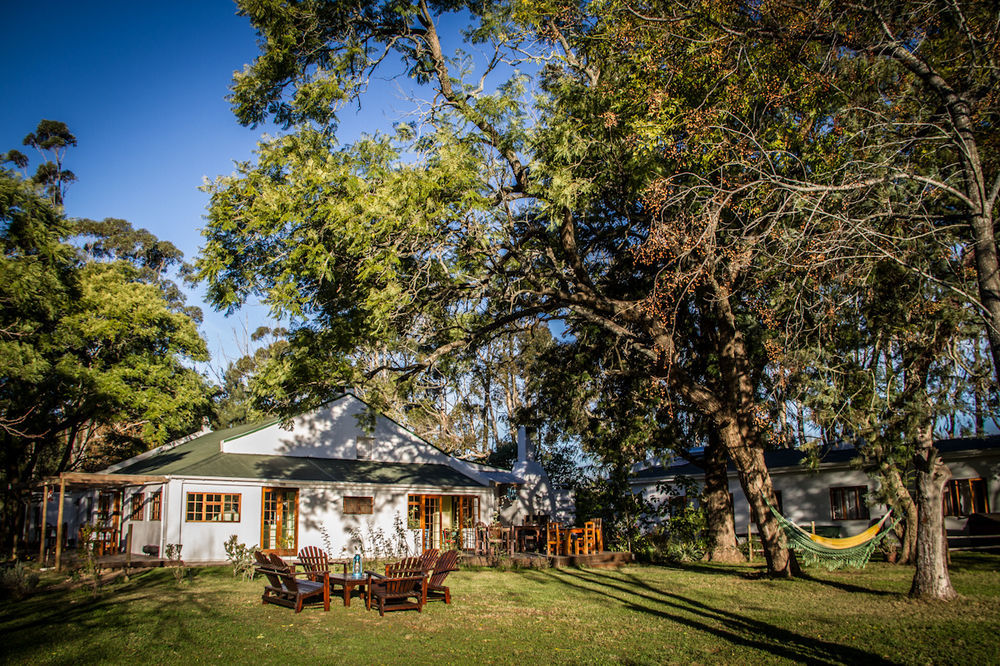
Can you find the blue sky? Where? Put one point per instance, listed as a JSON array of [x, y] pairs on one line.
[[142, 86]]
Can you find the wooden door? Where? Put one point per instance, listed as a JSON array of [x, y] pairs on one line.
[[432, 521], [279, 531]]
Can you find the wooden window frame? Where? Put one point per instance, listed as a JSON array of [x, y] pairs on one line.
[[358, 505], [364, 447], [197, 506], [952, 498], [276, 491], [838, 495], [137, 507], [156, 505]]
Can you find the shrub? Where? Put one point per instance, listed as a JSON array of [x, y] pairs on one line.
[[241, 557], [18, 581], [173, 553]]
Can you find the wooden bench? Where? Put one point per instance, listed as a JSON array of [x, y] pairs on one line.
[[284, 587]]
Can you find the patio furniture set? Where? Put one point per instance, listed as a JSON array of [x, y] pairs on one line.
[[549, 537], [407, 584]]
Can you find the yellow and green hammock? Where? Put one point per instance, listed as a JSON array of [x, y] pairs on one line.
[[854, 551]]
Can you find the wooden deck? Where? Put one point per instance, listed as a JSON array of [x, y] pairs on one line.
[[602, 560]]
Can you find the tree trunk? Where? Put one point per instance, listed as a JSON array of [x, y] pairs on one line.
[[931, 579], [902, 503], [718, 505], [756, 483]]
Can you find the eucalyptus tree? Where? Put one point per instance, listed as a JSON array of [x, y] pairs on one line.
[[51, 139], [459, 227], [878, 147], [95, 357]]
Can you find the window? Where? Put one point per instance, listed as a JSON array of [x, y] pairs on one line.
[[213, 508], [413, 512], [965, 496], [154, 505], [358, 505], [365, 446], [848, 503], [136, 506]]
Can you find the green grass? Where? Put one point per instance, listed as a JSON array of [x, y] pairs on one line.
[[638, 614]]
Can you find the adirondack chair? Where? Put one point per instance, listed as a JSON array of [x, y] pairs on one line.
[[429, 558], [284, 588], [399, 589], [435, 589], [315, 559]]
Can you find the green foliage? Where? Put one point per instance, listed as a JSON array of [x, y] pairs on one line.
[[96, 346], [177, 566], [17, 580], [241, 557]]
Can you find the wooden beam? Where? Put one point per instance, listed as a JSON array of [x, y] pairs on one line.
[[59, 525], [42, 525], [106, 480]]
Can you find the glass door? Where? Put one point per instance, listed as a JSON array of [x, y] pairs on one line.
[[465, 514], [432, 521], [280, 521]]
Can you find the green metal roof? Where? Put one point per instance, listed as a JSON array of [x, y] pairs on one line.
[[203, 457]]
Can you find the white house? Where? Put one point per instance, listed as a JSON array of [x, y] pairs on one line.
[[836, 496], [332, 475]]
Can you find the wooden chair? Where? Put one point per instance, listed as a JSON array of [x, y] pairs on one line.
[[501, 540], [315, 559], [598, 535], [435, 589], [589, 538], [284, 589], [399, 589], [429, 558], [482, 539], [553, 538]]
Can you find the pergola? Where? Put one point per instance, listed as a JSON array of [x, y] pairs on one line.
[[83, 481]]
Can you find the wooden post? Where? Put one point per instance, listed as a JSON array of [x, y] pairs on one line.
[[749, 544], [59, 524], [42, 525], [128, 546]]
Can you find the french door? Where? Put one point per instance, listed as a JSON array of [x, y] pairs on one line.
[[279, 532]]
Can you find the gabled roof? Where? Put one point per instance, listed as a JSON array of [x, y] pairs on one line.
[[790, 459], [202, 457]]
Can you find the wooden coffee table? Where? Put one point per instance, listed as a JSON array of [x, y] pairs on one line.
[[348, 582]]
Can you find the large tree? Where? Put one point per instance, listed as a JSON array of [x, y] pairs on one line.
[[451, 231], [95, 357]]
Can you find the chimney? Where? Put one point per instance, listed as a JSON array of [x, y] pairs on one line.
[[525, 444]]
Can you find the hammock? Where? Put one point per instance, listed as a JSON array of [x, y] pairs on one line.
[[851, 551]]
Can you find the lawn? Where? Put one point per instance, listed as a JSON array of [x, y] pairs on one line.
[[638, 614]]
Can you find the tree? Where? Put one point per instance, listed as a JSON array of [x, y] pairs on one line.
[[51, 139], [919, 84], [490, 224], [95, 358]]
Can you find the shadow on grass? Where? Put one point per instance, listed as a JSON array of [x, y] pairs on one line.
[[727, 626], [55, 618]]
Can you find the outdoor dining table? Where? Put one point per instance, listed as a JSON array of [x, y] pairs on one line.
[[525, 533], [573, 534], [349, 581]]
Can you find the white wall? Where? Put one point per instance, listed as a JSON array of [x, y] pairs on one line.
[[805, 495], [333, 430], [145, 532], [320, 506]]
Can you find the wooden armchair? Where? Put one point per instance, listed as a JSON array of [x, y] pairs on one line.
[[315, 559], [553, 539], [284, 588], [429, 558], [399, 589], [435, 588]]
